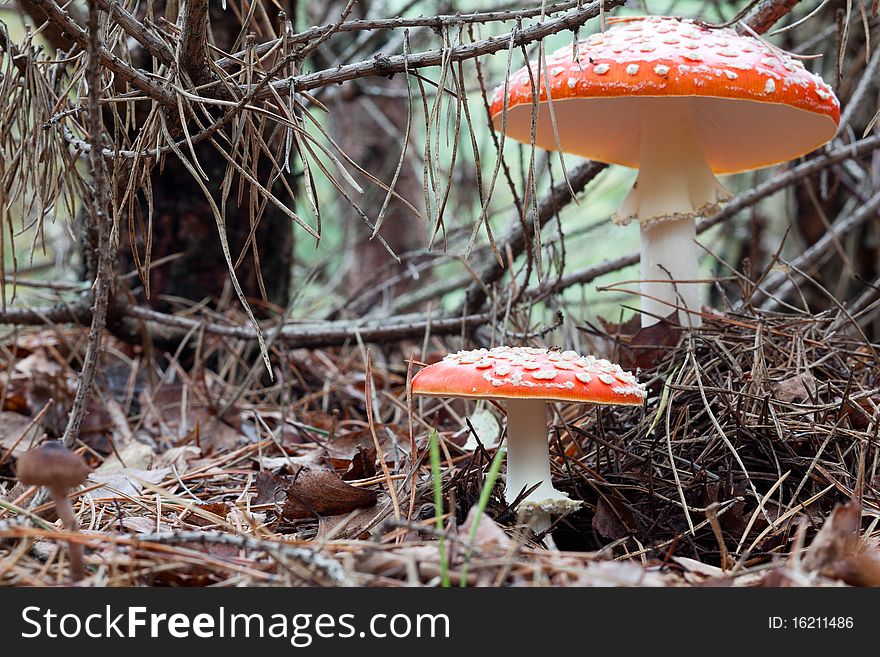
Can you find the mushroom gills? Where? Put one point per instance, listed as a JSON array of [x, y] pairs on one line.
[[675, 185], [528, 463]]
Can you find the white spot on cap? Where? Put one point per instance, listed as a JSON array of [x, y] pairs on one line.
[[572, 83], [731, 75], [601, 69], [556, 70], [693, 56], [671, 40], [661, 69], [531, 366], [583, 377], [606, 379], [484, 363], [545, 375], [727, 52], [770, 86], [632, 69], [824, 95]]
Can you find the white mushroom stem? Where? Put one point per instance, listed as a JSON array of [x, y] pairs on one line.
[[675, 186], [669, 255], [528, 463]]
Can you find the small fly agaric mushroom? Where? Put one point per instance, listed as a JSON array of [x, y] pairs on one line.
[[524, 379], [680, 102], [57, 468]]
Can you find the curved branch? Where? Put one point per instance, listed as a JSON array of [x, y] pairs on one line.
[[385, 66], [137, 78]]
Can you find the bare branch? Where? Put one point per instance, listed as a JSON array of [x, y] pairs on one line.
[[765, 14], [192, 45], [384, 66], [102, 224], [134, 28], [123, 71]]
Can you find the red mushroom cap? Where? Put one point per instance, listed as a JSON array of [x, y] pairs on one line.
[[529, 373], [757, 105]]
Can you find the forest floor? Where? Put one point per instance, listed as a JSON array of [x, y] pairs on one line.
[[754, 462]]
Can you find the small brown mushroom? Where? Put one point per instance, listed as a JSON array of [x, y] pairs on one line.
[[57, 468]]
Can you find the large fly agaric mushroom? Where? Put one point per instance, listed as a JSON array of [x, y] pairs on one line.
[[57, 468], [524, 379], [680, 102]]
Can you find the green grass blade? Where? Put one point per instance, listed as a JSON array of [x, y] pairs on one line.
[[488, 486], [437, 479]]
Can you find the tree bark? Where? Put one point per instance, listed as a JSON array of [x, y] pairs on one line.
[[184, 229]]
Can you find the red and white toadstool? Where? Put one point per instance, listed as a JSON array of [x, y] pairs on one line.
[[680, 102], [524, 379]]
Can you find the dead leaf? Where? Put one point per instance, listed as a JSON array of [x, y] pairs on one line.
[[178, 458], [644, 347], [15, 400], [142, 525], [611, 519], [344, 445], [698, 567], [13, 435], [363, 465], [489, 431], [488, 531], [356, 525], [171, 413], [292, 463], [321, 493], [126, 482], [137, 456], [622, 573], [861, 411], [794, 389], [837, 539], [857, 570], [219, 509], [269, 487]]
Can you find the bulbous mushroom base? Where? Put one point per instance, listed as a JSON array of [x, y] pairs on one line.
[[538, 513]]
